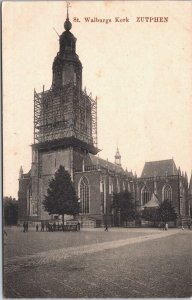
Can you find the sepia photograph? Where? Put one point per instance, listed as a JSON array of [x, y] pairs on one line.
[[97, 149]]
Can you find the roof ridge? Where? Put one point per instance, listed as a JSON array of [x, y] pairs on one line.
[[169, 159]]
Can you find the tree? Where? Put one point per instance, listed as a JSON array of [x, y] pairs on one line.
[[124, 203], [10, 210], [167, 212], [61, 196]]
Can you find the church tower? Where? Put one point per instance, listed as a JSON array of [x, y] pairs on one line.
[[67, 67], [65, 122]]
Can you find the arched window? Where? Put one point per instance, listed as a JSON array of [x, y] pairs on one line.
[[145, 195], [128, 187], [84, 195], [167, 193]]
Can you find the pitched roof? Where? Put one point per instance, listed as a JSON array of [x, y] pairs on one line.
[[154, 202], [27, 175], [159, 168], [95, 160]]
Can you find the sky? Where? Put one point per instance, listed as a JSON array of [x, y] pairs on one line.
[[141, 73]]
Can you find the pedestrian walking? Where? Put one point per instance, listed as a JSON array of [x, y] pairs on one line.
[[106, 227], [189, 225], [24, 227], [27, 226], [37, 227]]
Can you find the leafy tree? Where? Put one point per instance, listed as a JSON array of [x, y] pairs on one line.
[[10, 210], [61, 196], [124, 203], [167, 212]]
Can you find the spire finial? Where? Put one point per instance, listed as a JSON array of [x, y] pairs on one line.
[[117, 157], [67, 24], [68, 5]]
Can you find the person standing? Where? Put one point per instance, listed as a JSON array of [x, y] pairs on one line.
[[163, 225], [24, 227], [42, 226], [78, 226], [37, 227], [54, 226]]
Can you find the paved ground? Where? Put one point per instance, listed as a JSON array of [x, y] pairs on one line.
[[88, 264]]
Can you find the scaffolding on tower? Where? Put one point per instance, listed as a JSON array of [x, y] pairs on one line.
[[65, 112], [94, 120]]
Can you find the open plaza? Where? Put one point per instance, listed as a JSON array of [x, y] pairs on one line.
[[93, 263], [85, 225]]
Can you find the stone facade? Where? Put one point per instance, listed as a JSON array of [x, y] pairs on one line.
[[65, 133]]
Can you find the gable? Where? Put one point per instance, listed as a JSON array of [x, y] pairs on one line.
[[159, 168]]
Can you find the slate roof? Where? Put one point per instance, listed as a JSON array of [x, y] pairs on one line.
[[154, 202], [159, 168], [95, 160]]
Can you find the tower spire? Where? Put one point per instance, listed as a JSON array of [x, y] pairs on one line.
[[118, 157]]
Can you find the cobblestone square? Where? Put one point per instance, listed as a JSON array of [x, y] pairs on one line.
[[121, 263]]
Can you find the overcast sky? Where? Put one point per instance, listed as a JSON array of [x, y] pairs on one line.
[[140, 72]]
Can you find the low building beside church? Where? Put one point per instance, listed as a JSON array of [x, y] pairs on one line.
[[65, 133]]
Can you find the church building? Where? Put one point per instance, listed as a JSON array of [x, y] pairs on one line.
[[65, 133]]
